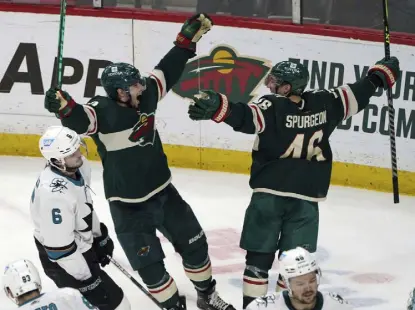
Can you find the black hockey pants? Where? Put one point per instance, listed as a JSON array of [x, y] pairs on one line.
[[107, 296]]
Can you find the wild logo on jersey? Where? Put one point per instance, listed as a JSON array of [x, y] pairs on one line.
[[224, 71], [144, 131]]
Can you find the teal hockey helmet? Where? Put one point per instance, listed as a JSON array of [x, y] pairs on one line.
[[288, 72], [120, 75]]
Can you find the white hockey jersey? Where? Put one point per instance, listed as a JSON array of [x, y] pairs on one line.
[[281, 301], [60, 299], [65, 222]]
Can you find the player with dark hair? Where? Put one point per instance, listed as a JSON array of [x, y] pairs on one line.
[[137, 178], [301, 275], [291, 157], [72, 243]]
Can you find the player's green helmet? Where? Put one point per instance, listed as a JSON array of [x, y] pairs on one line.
[[292, 73], [120, 75]]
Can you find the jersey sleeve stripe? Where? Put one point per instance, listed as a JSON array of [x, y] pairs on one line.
[[158, 76], [92, 115], [345, 103], [353, 107], [56, 253], [258, 118], [349, 101]]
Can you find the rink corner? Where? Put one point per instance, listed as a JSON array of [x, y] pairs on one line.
[[344, 174]]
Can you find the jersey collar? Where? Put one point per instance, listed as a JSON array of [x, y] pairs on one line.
[[79, 181]]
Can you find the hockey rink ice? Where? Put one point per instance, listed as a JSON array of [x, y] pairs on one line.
[[366, 243]]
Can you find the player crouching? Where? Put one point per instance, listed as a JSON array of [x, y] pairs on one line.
[[301, 275], [22, 284], [71, 241]]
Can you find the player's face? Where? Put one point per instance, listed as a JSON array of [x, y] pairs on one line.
[[75, 160], [304, 288], [276, 85], [271, 83], [135, 91]]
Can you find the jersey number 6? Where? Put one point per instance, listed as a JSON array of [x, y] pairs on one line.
[[56, 216], [296, 147]]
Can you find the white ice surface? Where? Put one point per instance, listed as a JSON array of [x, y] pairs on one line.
[[366, 243]]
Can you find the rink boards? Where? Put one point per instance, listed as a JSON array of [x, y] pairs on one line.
[[230, 60]]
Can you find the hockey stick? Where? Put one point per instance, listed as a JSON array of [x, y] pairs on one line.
[[59, 73], [391, 110], [125, 272]]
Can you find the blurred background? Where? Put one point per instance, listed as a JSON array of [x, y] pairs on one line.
[[357, 13]]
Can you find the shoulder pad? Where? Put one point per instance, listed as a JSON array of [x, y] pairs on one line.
[[51, 183], [337, 298], [57, 185], [272, 97], [267, 101], [98, 100]]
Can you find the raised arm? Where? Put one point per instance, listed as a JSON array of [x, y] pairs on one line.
[[170, 68], [80, 118], [246, 118], [349, 99]]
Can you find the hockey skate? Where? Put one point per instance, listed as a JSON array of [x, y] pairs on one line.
[[210, 299], [181, 305]]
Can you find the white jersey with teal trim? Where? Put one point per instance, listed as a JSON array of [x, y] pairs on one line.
[[281, 301], [60, 299], [65, 222]]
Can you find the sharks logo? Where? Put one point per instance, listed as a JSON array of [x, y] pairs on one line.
[[145, 130], [224, 71]]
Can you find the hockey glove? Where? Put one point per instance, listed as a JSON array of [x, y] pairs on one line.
[[59, 102], [93, 289], [387, 70], [209, 104], [192, 30], [103, 246]]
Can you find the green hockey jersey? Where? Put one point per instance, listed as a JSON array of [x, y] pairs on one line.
[[291, 155], [135, 165]]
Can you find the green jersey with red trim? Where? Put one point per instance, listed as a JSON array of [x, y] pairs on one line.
[[291, 155], [128, 143]]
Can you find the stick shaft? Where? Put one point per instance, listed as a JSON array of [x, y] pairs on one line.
[[129, 276], [59, 73], [391, 109]]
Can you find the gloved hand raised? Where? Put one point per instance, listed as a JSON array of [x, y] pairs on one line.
[[59, 102], [387, 70], [192, 30]]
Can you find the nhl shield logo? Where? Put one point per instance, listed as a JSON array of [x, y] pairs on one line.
[[224, 71], [145, 130]]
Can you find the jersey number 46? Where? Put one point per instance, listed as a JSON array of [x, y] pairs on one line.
[[295, 150]]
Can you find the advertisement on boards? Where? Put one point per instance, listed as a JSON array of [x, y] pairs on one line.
[[229, 60]]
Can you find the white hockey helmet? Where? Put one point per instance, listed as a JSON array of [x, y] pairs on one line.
[[20, 277], [59, 142], [297, 262]]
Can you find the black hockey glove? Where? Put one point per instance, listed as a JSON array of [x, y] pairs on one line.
[[59, 102], [192, 30], [387, 70], [103, 246], [93, 289], [209, 105]]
